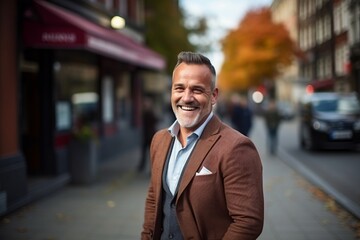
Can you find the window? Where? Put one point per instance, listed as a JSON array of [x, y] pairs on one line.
[[107, 99], [301, 39], [337, 18], [319, 3], [319, 31], [75, 78], [341, 58], [307, 72], [320, 68], [341, 14], [327, 66], [355, 24], [123, 100], [344, 16], [302, 10], [311, 35], [327, 27], [123, 6], [323, 66], [108, 4]]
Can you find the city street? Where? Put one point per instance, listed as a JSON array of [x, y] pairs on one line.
[[336, 172], [112, 208], [85, 84]]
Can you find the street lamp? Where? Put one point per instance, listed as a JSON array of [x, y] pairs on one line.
[[117, 22]]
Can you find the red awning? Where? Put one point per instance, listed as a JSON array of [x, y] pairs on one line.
[[60, 28], [323, 84]]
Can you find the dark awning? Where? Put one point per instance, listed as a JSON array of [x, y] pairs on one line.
[[60, 28], [323, 84]]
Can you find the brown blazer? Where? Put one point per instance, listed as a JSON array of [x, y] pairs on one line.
[[227, 204]]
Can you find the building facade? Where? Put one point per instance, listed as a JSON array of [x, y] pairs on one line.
[[323, 27], [288, 86], [354, 14], [67, 73]]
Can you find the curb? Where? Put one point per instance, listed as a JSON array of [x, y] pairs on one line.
[[350, 205]]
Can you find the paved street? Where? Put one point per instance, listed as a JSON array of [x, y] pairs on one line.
[[291, 210], [112, 208], [336, 172]]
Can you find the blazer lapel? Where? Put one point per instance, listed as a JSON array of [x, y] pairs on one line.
[[203, 146]]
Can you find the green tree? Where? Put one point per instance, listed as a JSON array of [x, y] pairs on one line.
[[165, 30], [198, 33], [257, 50]]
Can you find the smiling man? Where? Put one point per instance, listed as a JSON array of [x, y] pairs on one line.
[[206, 180]]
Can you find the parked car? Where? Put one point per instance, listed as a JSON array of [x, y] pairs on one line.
[[330, 121]]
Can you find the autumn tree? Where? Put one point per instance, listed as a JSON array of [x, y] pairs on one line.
[[256, 51]]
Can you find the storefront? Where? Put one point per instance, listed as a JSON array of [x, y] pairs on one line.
[[77, 79]]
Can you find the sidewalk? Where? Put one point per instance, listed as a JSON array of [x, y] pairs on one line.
[[291, 211], [112, 208]]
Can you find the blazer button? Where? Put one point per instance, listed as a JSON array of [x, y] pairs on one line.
[[171, 236]]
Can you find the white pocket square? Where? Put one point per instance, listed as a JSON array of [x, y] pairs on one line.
[[203, 171]]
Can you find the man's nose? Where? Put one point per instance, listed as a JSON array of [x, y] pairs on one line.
[[188, 95]]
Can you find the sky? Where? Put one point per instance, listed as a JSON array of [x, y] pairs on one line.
[[222, 16]]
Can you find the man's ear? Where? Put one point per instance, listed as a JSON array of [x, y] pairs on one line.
[[214, 96]]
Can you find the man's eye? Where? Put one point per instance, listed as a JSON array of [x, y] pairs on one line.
[[197, 91]]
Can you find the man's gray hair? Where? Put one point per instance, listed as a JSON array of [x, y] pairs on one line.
[[197, 58]]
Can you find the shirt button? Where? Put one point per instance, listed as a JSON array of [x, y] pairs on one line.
[[171, 236]]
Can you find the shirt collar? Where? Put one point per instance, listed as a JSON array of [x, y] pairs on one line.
[[175, 127]]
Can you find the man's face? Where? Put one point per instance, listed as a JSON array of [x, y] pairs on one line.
[[191, 95]]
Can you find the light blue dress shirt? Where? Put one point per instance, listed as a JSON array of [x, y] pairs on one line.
[[179, 155]]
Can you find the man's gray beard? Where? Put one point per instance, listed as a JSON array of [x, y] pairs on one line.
[[188, 124]]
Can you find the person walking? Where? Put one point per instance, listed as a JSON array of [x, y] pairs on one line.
[[272, 120], [149, 121], [206, 179], [241, 115]]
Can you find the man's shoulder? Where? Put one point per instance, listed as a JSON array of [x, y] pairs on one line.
[[161, 137], [218, 126], [162, 133], [230, 132]]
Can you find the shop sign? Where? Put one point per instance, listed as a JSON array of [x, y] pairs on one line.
[[44, 36], [58, 37]]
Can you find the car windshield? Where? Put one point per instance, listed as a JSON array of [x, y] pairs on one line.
[[341, 105]]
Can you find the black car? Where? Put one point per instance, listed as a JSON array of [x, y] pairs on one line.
[[330, 121]]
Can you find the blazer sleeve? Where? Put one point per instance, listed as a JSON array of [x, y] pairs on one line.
[[150, 202], [149, 217], [243, 185], [152, 216]]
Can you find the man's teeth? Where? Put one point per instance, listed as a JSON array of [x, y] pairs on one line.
[[186, 108]]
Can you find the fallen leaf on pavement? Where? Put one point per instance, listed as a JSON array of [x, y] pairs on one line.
[[111, 204]]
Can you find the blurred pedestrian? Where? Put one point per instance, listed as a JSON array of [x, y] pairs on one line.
[[149, 121], [241, 114], [272, 118], [206, 179]]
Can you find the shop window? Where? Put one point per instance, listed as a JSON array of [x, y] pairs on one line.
[[85, 108], [63, 116], [123, 101], [76, 83], [108, 99]]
